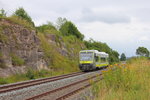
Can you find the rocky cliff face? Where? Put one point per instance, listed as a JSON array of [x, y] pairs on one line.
[[19, 46]]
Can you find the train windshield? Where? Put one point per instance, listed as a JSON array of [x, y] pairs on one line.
[[86, 56]]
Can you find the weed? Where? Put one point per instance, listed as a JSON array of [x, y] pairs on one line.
[[126, 83], [30, 74], [16, 60]]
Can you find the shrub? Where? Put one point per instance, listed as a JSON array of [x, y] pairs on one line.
[[2, 13], [3, 81], [17, 61], [20, 12], [30, 74]]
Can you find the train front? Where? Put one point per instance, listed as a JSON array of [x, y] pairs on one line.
[[86, 60]]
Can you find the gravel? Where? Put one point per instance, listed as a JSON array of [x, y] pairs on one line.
[[25, 93]]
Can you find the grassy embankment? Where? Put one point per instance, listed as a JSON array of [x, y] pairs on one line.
[[128, 82]]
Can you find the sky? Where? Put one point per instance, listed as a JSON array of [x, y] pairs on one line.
[[123, 24]]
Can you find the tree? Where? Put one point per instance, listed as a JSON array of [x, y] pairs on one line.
[[21, 13], [142, 51], [2, 13], [123, 57], [60, 21], [46, 28], [102, 47], [68, 28]]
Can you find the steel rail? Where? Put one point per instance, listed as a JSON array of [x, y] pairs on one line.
[[26, 84], [61, 88]]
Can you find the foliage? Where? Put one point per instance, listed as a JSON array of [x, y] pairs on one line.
[[3, 81], [45, 46], [123, 57], [16, 60], [102, 47], [3, 37], [142, 51], [20, 21], [68, 28], [48, 28], [129, 81], [21, 13], [60, 21], [2, 13], [30, 74]]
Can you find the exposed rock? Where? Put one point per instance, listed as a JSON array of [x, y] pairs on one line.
[[22, 42]]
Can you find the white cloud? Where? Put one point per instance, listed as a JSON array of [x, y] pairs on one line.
[[105, 16]]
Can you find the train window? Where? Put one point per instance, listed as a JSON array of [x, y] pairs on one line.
[[103, 59], [96, 58], [86, 56]]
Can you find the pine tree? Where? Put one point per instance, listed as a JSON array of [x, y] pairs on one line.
[[123, 57]]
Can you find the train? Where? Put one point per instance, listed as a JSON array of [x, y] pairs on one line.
[[92, 59]]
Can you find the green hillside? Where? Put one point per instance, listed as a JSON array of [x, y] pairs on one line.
[[39, 51]]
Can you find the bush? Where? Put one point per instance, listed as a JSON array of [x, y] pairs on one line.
[[17, 61], [2, 13], [30, 74], [20, 12], [3, 81], [68, 28]]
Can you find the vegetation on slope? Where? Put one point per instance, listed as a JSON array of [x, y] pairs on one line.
[[67, 37], [126, 82]]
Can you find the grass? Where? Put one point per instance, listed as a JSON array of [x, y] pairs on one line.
[[126, 82], [3, 37], [31, 74], [16, 60], [55, 60], [20, 21]]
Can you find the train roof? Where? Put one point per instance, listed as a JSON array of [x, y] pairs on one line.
[[102, 54]]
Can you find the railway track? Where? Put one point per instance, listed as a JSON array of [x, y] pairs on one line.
[[54, 88], [66, 91], [21, 85]]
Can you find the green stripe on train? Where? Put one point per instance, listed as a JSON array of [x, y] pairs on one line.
[[101, 65]]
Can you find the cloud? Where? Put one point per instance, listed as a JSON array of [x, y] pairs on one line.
[[1, 5], [144, 38], [106, 17]]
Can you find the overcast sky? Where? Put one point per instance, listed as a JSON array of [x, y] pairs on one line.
[[123, 24]]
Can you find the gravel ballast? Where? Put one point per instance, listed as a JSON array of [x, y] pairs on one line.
[[38, 89]]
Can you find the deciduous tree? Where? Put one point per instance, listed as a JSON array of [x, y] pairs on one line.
[[21, 13], [142, 51]]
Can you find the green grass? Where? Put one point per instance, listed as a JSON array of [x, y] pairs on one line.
[[31, 74], [126, 82], [16, 60], [20, 21], [3, 37], [55, 60]]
